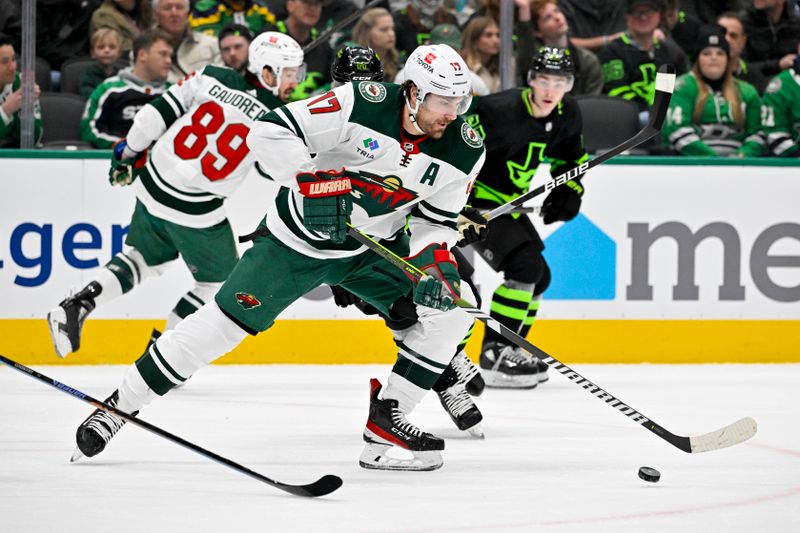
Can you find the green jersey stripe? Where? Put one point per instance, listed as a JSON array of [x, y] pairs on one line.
[[165, 110], [166, 199], [416, 212], [438, 211]]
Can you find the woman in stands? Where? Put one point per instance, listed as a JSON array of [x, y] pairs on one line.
[[711, 112], [375, 30]]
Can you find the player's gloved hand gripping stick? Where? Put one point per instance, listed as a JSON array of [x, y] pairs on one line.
[[327, 203], [439, 285], [124, 163]]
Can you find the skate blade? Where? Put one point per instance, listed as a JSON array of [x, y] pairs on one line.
[[60, 340], [499, 380], [76, 455], [374, 457], [477, 431]]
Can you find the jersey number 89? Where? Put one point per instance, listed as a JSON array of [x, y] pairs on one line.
[[207, 120]]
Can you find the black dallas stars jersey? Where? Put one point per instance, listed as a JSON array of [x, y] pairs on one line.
[[516, 143]]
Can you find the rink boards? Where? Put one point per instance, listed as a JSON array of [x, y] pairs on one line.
[[671, 260]]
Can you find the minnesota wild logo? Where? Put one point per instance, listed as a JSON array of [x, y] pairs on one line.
[[371, 91], [379, 195], [247, 300], [470, 137]]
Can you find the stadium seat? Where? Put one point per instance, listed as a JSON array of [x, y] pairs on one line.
[[607, 121], [71, 72], [61, 118]]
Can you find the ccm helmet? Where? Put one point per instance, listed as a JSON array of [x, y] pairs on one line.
[[277, 51], [554, 61], [356, 63]]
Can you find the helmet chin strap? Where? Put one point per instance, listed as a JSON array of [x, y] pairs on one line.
[[412, 117], [275, 89]]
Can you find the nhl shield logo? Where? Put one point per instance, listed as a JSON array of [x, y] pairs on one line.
[[247, 300], [372, 92], [470, 136]]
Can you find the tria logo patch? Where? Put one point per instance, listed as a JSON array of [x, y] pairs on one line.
[[371, 144], [247, 300], [429, 58]]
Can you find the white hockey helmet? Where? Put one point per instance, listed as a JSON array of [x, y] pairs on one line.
[[438, 69], [277, 51]]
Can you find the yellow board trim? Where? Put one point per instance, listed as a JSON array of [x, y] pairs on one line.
[[368, 341]]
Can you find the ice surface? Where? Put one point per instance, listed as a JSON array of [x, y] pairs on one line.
[[554, 459]]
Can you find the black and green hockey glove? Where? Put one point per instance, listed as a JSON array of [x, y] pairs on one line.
[[563, 202], [441, 285], [327, 203], [471, 226]]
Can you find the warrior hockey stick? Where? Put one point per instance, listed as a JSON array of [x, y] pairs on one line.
[[325, 35], [665, 81], [729, 435], [324, 485]]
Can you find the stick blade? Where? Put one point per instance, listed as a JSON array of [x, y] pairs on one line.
[[321, 487], [739, 431]]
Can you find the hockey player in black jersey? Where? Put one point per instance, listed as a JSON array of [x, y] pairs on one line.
[[521, 128]]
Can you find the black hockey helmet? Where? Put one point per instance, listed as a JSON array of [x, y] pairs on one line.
[[356, 63], [555, 61]]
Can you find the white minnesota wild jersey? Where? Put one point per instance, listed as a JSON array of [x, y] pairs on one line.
[[200, 155], [358, 127]]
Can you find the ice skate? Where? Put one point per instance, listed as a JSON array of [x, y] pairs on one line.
[[462, 409], [505, 367], [66, 320], [468, 374], [95, 432], [387, 428]]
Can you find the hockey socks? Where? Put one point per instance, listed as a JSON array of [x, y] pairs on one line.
[[510, 304]]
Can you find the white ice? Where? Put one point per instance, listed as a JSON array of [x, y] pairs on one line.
[[554, 459]]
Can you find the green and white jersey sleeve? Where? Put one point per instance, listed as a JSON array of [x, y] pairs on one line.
[[200, 156], [780, 114], [357, 127]]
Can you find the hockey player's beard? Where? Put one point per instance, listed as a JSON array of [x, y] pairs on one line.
[[434, 126]]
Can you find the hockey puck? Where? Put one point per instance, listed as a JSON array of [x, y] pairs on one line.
[[649, 474]]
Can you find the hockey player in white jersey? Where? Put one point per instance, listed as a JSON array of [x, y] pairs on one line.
[[397, 154], [198, 156]]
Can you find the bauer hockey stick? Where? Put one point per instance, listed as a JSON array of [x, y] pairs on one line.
[[324, 485], [729, 435], [665, 82]]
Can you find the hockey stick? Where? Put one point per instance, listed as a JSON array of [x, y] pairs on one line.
[[324, 485], [665, 81], [735, 433], [325, 35]]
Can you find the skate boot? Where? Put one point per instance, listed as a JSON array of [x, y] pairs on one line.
[[541, 366], [505, 367], [95, 432], [462, 409], [66, 320], [468, 374], [387, 427]]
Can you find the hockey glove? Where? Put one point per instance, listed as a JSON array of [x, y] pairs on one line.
[[471, 226], [124, 164], [342, 297], [327, 203], [563, 202], [441, 285]]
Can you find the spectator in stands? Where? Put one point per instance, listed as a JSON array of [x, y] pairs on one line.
[[128, 17], [234, 44], [11, 98], [375, 29], [191, 50], [210, 16], [480, 49], [773, 31], [781, 112], [711, 113], [680, 26], [105, 50], [594, 23], [413, 23], [112, 106], [737, 39], [301, 25], [11, 21], [631, 61], [707, 11], [62, 30], [550, 28]]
